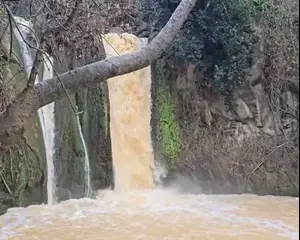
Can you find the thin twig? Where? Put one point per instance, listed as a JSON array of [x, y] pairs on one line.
[[65, 90], [31, 149], [289, 106], [6, 185], [12, 78], [10, 27], [52, 13], [67, 23], [265, 157], [11, 165], [4, 30]]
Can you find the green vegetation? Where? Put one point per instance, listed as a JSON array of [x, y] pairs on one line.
[[169, 128], [168, 125], [105, 109], [220, 37], [20, 170]]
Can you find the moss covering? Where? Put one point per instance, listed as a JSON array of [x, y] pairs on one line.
[[95, 124], [69, 152], [21, 170], [98, 128], [105, 109], [168, 125], [169, 129]]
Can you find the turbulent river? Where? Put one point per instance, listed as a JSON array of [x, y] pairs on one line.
[[156, 214], [135, 209]]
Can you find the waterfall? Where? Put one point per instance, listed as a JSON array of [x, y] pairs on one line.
[[24, 27], [88, 189], [46, 113], [130, 113]]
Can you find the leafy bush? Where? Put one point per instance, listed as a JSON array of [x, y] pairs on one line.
[[218, 37]]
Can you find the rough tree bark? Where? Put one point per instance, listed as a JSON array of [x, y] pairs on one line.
[[26, 104]]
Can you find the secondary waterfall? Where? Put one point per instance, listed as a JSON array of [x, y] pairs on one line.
[[130, 112], [87, 178], [46, 113]]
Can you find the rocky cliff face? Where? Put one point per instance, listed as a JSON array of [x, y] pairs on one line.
[[69, 149], [22, 170], [225, 147], [226, 113], [228, 149]]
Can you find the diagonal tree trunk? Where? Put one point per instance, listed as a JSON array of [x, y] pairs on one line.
[[26, 104]]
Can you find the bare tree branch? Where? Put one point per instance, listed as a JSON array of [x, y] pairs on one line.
[[269, 154], [25, 105], [68, 22], [52, 13], [10, 27]]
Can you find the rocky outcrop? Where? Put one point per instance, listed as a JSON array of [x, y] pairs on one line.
[[228, 117], [69, 160], [22, 169], [230, 147], [250, 108], [97, 131]]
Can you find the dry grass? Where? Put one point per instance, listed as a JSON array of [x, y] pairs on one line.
[[265, 163], [281, 35]]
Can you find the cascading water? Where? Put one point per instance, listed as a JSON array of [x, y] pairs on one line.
[[130, 113], [88, 189], [24, 27], [46, 113]]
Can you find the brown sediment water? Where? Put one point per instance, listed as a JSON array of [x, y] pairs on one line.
[[130, 113], [156, 214]]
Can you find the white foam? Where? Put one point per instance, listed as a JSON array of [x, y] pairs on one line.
[[155, 204]]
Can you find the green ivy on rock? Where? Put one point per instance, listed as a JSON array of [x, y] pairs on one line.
[[169, 129]]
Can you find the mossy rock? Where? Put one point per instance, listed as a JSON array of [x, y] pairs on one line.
[[22, 168], [169, 129], [168, 125]]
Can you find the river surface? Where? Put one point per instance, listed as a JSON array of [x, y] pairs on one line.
[[156, 214]]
